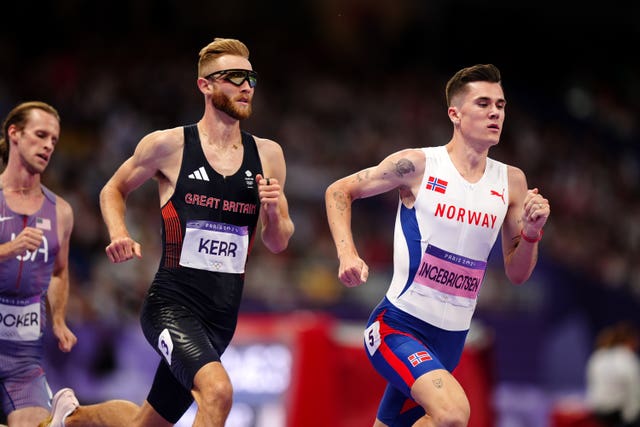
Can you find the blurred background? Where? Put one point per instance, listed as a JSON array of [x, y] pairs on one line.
[[343, 84]]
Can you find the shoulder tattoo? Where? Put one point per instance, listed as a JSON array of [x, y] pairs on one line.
[[404, 166]]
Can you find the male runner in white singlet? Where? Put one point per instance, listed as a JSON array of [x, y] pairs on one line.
[[454, 201]]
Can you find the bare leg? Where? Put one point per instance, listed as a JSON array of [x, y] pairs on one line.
[[113, 413], [27, 416], [425, 421], [442, 398], [148, 417], [213, 393]]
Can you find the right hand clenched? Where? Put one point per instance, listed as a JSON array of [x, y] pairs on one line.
[[29, 240], [123, 249]]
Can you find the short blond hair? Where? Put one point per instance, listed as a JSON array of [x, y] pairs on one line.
[[217, 48]]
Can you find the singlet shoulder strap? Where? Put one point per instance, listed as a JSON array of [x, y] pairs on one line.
[[50, 195], [190, 133], [249, 142]]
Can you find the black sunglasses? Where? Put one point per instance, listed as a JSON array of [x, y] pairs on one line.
[[236, 76]]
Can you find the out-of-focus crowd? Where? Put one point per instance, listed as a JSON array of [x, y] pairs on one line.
[[579, 147], [341, 85], [587, 167]]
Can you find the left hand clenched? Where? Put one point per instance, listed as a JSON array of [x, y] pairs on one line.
[[536, 212], [269, 192], [66, 338]]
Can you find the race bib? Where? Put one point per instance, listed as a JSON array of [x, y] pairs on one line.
[[450, 273], [215, 246], [372, 337], [20, 319], [165, 345]]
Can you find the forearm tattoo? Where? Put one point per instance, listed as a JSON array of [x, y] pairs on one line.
[[361, 176], [341, 200]]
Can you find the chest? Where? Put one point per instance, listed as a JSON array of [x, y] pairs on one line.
[[448, 202], [225, 161], [23, 204]]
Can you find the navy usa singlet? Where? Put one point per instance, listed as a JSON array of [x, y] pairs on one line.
[[191, 309]]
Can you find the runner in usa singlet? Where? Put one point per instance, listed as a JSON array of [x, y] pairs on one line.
[[24, 281], [25, 278]]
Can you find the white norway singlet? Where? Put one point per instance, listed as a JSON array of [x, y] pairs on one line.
[[441, 245]]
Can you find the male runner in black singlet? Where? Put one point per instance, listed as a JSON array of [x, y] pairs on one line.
[[215, 182]]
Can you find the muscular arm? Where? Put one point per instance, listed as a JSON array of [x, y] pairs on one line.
[[277, 226], [58, 291], [155, 156], [528, 212], [402, 170]]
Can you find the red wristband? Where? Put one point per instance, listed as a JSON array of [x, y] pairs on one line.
[[529, 239]]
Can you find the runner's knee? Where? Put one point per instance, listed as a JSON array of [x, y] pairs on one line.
[[214, 394]]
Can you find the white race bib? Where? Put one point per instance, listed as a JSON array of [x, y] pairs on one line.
[[372, 337], [215, 246], [20, 319]]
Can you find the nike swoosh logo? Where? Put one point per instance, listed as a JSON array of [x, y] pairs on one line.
[[5, 218]]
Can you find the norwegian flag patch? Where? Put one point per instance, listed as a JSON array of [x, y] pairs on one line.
[[436, 184], [417, 358]]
